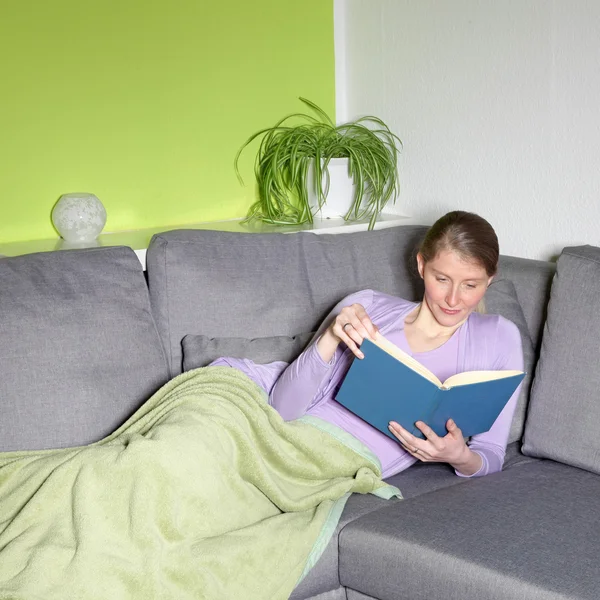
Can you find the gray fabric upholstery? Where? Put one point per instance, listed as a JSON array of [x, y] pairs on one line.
[[564, 410], [501, 299], [422, 478], [323, 577], [532, 280], [337, 594], [529, 532], [200, 350], [223, 284], [80, 350], [515, 457], [419, 479], [354, 595]]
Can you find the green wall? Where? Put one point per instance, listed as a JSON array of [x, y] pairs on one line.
[[145, 103]]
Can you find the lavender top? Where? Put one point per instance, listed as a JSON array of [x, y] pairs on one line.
[[482, 342]]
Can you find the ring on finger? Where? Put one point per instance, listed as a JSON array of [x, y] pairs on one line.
[[415, 450], [346, 325]]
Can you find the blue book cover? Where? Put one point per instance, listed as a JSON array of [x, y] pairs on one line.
[[389, 385]]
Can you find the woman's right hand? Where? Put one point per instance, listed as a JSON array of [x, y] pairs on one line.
[[351, 326]]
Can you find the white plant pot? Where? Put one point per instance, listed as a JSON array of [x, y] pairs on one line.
[[341, 189]]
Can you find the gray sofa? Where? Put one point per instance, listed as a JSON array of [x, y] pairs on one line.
[[86, 338]]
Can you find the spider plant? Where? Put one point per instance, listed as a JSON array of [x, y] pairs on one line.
[[287, 150]]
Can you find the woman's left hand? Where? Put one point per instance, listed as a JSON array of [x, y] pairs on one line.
[[451, 448]]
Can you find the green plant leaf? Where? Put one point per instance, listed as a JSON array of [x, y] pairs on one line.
[[286, 152]]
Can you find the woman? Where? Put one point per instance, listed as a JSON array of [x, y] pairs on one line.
[[457, 261]]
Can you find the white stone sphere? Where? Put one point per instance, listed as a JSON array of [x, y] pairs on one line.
[[79, 217]]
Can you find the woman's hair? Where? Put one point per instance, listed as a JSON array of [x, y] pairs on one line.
[[465, 233]]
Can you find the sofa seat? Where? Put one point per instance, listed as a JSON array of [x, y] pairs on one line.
[[529, 532], [419, 479]]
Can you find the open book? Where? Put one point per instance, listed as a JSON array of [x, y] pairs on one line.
[[389, 385]]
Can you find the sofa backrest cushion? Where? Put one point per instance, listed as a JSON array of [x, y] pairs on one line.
[[532, 280], [501, 299], [564, 411], [222, 284], [79, 348], [201, 350]]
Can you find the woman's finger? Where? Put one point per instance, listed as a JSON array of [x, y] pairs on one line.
[[350, 329], [454, 429], [356, 329], [364, 325], [347, 334], [357, 317], [430, 435], [413, 445], [417, 453], [403, 436]]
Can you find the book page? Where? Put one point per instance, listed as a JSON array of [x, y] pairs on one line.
[[477, 376], [404, 358]]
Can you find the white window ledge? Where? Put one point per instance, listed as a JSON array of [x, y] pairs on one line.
[[139, 239]]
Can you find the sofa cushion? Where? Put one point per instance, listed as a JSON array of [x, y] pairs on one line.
[[200, 350], [501, 299], [354, 595], [324, 576], [526, 533], [419, 479], [532, 280], [80, 350], [564, 412], [223, 284]]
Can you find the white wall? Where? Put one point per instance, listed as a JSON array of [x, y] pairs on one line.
[[497, 103]]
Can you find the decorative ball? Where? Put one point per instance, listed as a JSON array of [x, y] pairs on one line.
[[79, 218]]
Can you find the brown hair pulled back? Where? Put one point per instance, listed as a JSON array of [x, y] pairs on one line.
[[465, 233]]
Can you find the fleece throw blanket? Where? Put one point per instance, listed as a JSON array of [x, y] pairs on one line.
[[205, 492]]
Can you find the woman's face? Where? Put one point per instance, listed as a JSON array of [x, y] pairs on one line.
[[453, 286]]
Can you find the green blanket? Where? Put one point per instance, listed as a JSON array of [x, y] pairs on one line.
[[204, 493]]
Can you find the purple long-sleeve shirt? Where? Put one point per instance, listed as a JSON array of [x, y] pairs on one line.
[[482, 342]]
